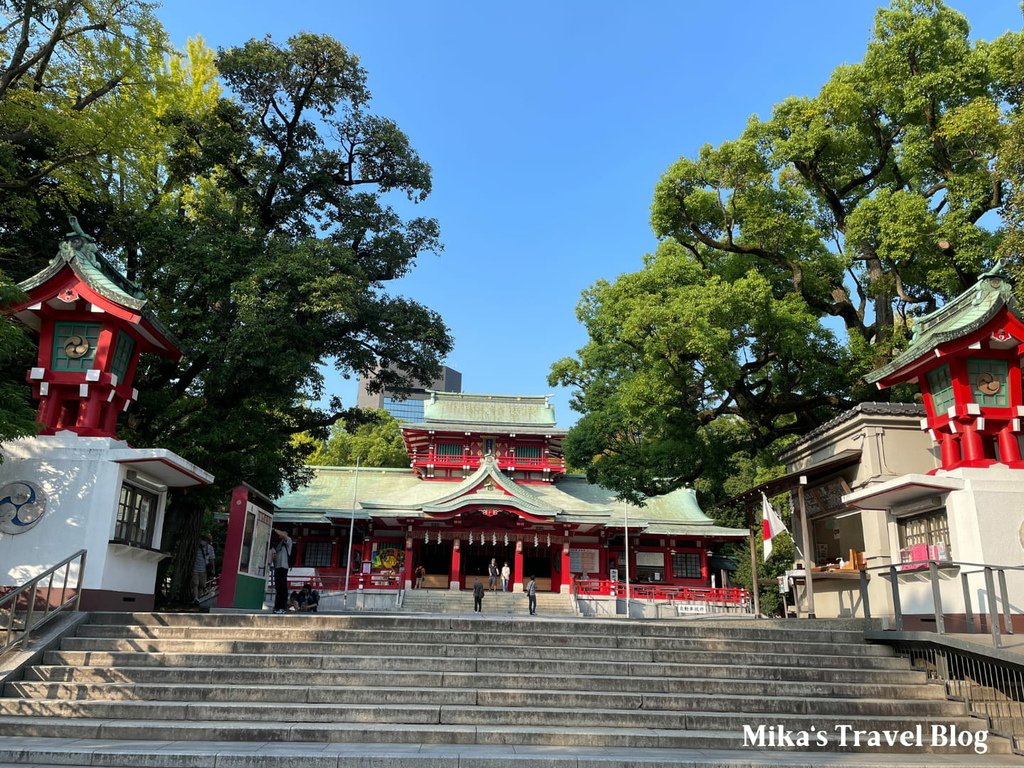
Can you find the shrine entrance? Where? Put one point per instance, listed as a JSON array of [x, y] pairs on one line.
[[476, 557]]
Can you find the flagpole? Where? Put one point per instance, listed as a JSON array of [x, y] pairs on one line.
[[625, 512], [756, 585], [351, 533], [806, 536]]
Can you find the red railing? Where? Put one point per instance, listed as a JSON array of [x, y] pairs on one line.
[[333, 579], [504, 462], [645, 591]]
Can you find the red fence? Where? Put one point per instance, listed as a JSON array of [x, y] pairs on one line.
[[504, 462], [606, 588], [333, 579]]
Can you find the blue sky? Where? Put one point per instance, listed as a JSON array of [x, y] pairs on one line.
[[547, 125]]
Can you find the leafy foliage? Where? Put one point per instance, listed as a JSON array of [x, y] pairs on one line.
[[795, 258], [375, 443]]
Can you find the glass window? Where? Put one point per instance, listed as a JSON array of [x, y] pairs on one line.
[[404, 410], [448, 449], [941, 388], [650, 566], [136, 516], [316, 554], [74, 346], [527, 451], [686, 565], [988, 382], [924, 537], [122, 356]]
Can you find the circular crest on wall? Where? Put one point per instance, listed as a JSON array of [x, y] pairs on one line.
[[22, 505]]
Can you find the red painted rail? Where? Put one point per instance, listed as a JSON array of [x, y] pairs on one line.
[[604, 587]]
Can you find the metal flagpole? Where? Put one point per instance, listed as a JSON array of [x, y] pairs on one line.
[[351, 534], [625, 512]]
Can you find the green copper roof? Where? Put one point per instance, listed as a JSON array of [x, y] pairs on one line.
[[79, 252], [962, 316], [571, 499], [504, 410]]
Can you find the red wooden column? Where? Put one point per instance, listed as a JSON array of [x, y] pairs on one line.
[[566, 569], [517, 568], [453, 577]]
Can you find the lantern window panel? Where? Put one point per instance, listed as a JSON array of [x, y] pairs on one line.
[[988, 382], [940, 385], [122, 356], [74, 346]]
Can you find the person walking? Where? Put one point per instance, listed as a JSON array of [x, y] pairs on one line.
[[478, 597], [282, 559], [492, 575], [531, 593], [205, 561], [506, 574]]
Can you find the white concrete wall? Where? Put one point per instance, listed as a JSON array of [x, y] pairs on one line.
[[82, 487]]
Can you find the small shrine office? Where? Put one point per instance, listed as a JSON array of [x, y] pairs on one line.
[[487, 481]]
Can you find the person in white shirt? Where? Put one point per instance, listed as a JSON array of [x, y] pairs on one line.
[[506, 574]]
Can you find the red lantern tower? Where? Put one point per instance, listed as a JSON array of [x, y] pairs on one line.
[[93, 325], [965, 357]]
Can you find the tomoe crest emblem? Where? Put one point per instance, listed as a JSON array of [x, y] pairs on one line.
[[22, 505]]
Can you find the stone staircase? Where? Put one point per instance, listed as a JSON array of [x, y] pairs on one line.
[[549, 604], [323, 691]]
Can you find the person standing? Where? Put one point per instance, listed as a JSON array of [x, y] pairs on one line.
[[204, 561], [282, 558], [421, 572], [492, 575], [506, 574], [531, 593], [478, 597]]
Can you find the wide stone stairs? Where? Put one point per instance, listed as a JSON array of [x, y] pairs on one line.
[[463, 691], [549, 604]]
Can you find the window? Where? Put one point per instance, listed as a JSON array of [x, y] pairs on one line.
[[122, 356], [988, 382], [650, 566], [451, 450], [404, 410], [941, 388], [136, 516], [74, 346], [316, 554], [528, 452], [686, 565], [924, 537]]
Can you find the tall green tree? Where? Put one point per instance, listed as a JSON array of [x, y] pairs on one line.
[[377, 442], [795, 257]]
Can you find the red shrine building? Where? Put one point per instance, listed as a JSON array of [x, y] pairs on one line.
[[488, 481]]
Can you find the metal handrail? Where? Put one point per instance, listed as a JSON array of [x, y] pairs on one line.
[[893, 571], [18, 633]]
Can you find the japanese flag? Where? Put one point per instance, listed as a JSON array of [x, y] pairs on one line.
[[772, 525]]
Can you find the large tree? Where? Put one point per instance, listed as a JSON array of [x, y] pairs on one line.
[[795, 257], [377, 442]]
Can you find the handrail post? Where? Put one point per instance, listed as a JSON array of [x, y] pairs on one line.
[[933, 576], [993, 610], [28, 617], [1007, 618], [896, 608], [968, 608], [865, 604]]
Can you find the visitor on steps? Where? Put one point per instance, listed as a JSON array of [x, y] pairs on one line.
[[282, 553], [420, 573], [204, 562], [506, 574], [478, 596], [531, 593], [492, 575]]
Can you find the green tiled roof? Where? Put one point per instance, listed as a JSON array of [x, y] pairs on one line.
[[571, 499], [504, 410], [79, 252], [963, 315]]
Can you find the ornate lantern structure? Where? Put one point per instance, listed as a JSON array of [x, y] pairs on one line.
[[965, 357], [93, 324]]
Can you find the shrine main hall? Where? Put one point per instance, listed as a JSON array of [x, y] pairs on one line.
[[487, 480]]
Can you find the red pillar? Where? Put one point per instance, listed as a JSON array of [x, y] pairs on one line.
[[1009, 448], [971, 443], [517, 568], [566, 585], [453, 577], [949, 449]]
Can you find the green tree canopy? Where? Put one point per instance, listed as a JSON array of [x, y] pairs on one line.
[[377, 442], [795, 257]]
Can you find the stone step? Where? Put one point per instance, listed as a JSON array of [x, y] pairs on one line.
[[495, 650], [433, 637], [514, 700], [67, 752], [911, 689], [585, 737], [551, 667], [739, 628]]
